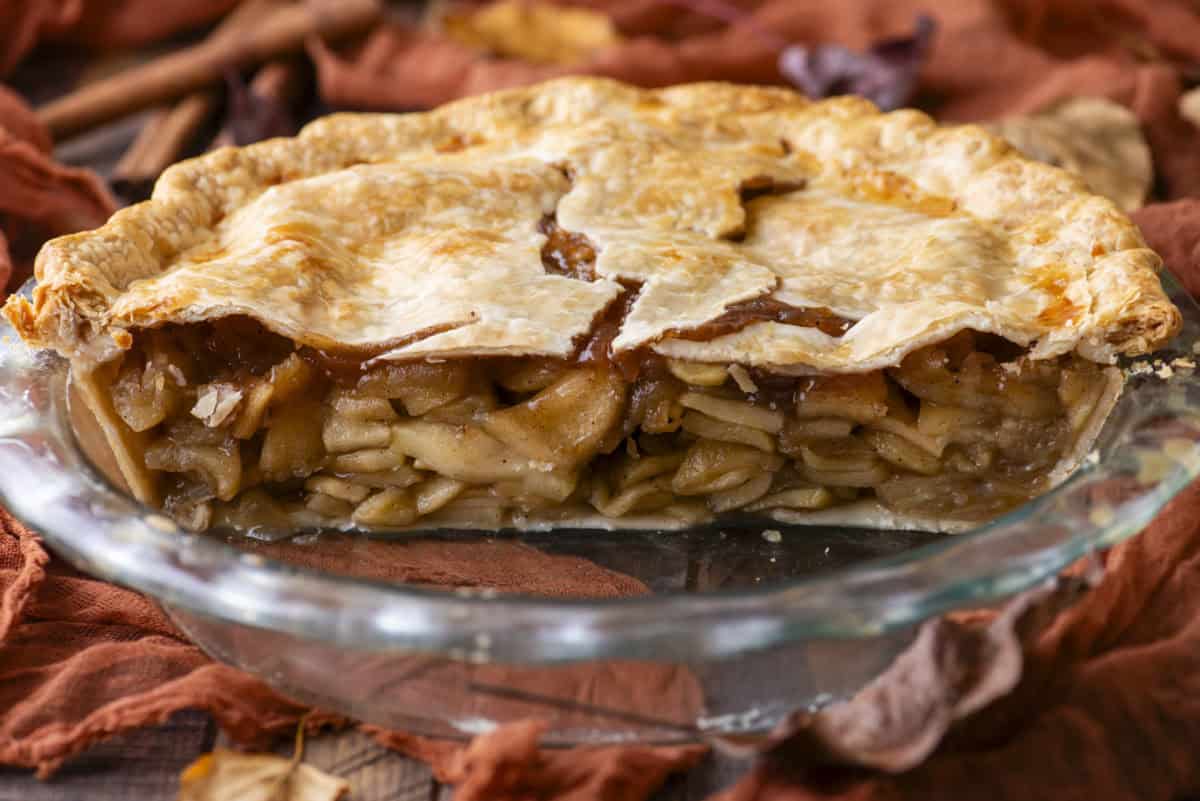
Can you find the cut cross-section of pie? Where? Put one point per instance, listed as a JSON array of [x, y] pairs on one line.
[[584, 303]]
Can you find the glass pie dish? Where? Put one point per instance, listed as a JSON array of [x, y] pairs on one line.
[[715, 629]]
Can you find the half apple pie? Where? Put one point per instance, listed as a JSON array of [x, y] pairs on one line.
[[587, 304]]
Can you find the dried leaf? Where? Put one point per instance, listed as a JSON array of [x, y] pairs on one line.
[[225, 775], [886, 74], [536, 32], [1099, 140]]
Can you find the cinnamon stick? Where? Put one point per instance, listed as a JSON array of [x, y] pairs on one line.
[[201, 65], [160, 143], [166, 134]]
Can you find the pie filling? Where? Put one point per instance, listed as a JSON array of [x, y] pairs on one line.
[[239, 426]]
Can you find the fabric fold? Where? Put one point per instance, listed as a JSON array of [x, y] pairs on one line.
[[39, 197]]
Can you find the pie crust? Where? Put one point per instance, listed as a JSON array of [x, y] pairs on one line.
[[510, 228]]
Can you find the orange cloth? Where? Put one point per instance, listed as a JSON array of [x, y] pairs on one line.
[[39, 197], [62, 633]]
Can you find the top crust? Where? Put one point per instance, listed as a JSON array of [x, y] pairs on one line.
[[417, 235]]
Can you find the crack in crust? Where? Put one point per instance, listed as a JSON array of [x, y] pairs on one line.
[[367, 231]]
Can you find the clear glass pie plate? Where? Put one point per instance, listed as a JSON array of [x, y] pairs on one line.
[[716, 629]]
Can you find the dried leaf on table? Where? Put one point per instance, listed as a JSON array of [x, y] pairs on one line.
[[225, 775], [536, 32], [1097, 139], [886, 74]]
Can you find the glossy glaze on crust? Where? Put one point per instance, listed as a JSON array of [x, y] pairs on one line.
[[366, 233]]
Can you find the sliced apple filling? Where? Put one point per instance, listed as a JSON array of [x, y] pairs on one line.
[[249, 431]]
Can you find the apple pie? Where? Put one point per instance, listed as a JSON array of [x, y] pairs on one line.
[[583, 303]]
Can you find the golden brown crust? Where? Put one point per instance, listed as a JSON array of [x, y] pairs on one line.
[[417, 235]]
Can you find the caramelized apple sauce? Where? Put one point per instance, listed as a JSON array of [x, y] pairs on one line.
[[244, 429], [760, 310], [567, 253], [596, 345]]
